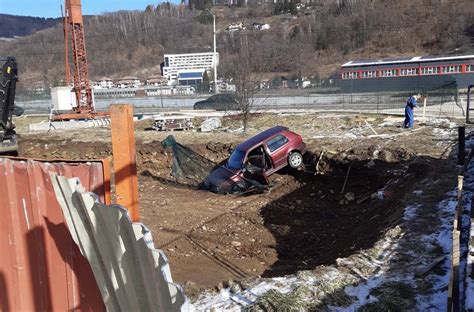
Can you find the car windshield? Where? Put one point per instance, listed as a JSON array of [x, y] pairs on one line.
[[236, 159]]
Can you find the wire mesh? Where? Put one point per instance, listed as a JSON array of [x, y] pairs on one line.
[[444, 98]]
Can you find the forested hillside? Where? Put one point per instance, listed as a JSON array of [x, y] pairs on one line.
[[312, 41], [12, 26]]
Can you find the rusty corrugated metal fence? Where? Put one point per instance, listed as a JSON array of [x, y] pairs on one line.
[[41, 268]]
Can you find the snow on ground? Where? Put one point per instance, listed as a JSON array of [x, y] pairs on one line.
[[467, 262], [361, 279], [365, 271], [469, 304]]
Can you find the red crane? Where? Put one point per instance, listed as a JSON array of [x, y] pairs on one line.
[[74, 22]]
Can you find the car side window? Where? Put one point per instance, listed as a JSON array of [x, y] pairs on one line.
[[276, 142]]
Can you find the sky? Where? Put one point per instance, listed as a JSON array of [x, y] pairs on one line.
[[51, 8]]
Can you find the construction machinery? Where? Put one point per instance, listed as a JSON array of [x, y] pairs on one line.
[[73, 22], [8, 79]]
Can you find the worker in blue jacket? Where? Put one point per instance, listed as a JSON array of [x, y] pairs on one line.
[[409, 116]]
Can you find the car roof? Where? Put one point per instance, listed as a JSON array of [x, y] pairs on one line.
[[262, 136], [221, 95]]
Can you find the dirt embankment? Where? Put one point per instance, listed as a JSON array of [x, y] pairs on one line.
[[342, 203]]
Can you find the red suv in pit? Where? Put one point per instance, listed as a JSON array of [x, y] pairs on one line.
[[254, 160]]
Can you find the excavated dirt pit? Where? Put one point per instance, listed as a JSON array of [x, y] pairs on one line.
[[305, 220]]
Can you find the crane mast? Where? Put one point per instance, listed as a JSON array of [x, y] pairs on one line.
[[74, 22]]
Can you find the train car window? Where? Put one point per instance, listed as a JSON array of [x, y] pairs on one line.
[[470, 68], [369, 74], [451, 69], [349, 75], [389, 72], [409, 71], [429, 70]]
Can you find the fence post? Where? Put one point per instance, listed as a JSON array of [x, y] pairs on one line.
[[453, 289], [378, 101], [424, 108], [442, 102], [124, 158], [461, 145]]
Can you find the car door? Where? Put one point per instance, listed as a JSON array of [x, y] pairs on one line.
[[276, 150], [255, 165]]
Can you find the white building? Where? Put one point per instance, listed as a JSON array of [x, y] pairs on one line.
[[104, 83], [235, 26], [260, 26], [176, 63], [128, 82]]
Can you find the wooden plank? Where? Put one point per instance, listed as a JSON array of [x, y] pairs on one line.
[[425, 270], [124, 158]]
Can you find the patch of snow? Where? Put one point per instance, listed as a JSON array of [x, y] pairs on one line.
[[362, 293], [391, 122], [379, 269], [469, 303], [444, 133], [443, 237], [228, 301], [410, 212], [350, 136], [441, 122], [466, 287]]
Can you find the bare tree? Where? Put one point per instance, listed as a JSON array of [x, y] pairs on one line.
[[247, 73]]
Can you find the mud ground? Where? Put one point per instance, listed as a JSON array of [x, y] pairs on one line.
[[304, 221]]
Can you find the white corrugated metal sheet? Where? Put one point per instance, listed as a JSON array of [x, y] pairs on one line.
[[131, 274]]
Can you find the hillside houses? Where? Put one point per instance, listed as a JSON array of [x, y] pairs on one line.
[[129, 82], [239, 26]]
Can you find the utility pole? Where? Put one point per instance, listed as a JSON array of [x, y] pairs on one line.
[[215, 56], [161, 93]]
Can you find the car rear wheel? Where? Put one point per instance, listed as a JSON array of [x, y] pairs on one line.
[[295, 159]]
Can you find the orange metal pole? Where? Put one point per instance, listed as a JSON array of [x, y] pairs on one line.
[[124, 158], [66, 44]]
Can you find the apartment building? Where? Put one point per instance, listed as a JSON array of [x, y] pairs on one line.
[[175, 63]]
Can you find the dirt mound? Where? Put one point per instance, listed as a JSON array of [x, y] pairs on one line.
[[372, 152], [308, 218]]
